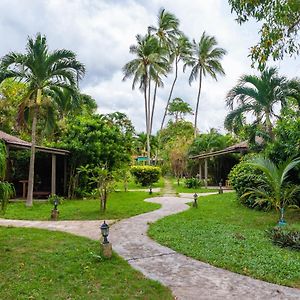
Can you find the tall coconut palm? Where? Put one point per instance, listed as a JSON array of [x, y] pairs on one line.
[[43, 71], [257, 95], [181, 50], [277, 192], [205, 60], [167, 32], [148, 66]]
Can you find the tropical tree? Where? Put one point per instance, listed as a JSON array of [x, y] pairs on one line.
[[181, 50], [257, 95], [149, 65], [167, 32], [176, 44], [95, 141], [43, 71], [276, 192], [11, 95], [280, 24], [205, 60], [179, 108]]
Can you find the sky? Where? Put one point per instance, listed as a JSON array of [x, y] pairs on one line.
[[101, 31]]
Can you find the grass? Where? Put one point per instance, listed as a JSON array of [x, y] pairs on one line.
[[181, 188], [226, 234], [133, 186], [119, 205], [38, 264]]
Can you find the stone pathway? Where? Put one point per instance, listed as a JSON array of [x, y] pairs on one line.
[[187, 278]]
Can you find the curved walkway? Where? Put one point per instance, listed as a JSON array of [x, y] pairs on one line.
[[186, 277]]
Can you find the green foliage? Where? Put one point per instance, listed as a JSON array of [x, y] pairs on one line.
[[93, 140], [276, 192], [11, 95], [179, 108], [145, 175], [257, 95], [176, 130], [42, 264], [244, 177], [100, 177], [280, 22], [6, 189], [230, 236], [285, 238], [287, 139], [193, 183], [211, 141]]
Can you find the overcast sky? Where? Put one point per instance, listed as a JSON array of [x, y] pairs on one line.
[[100, 32]]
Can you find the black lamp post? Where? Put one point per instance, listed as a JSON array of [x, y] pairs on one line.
[[104, 231], [55, 204], [55, 212], [220, 187], [195, 204]]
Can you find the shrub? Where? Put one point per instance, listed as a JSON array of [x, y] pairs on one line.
[[285, 238], [145, 175], [244, 177], [193, 183], [54, 197]]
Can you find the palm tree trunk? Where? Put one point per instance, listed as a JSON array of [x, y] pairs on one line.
[[197, 105], [269, 125], [29, 201], [148, 120], [153, 106], [170, 94]]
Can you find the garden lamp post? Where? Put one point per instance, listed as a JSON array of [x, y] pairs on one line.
[[282, 221], [220, 187], [150, 189], [195, 204], [105, 245], [55, 212], [104, 231]]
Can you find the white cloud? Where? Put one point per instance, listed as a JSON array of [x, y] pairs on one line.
[[100, 32]]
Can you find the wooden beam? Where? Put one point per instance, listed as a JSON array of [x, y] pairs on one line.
[[53, 175], [200, 170], [65, 176], [205, 172]]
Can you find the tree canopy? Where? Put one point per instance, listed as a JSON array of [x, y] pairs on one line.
[[280, 23]]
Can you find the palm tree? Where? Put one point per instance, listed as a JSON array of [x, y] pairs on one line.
[[277, 193], [168, 34], [205, 60], [257, 95], [148, 65], [43, 71], [181, 51]]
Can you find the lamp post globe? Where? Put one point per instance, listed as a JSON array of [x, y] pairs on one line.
[[195, 200], [104, 231]]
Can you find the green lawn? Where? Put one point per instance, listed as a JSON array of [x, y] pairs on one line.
[[133, 186], [228, 235], [38, 264], [119, 205], [182, 189]]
